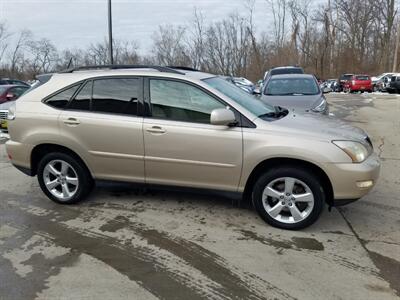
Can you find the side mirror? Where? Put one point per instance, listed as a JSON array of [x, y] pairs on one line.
[[10, 96], [222, 116]]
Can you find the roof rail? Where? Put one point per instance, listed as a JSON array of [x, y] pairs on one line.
[[116, 67], [184, 68]]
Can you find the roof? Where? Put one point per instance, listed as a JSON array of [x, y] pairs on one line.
[[287, 67], [287, 76]]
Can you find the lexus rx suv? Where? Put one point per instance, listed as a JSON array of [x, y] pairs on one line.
[[168, 126]]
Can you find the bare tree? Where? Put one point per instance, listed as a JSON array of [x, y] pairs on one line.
[[4, 36], [17, 54], [169, 46]]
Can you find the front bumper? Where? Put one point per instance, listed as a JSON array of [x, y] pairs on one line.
[[351, 181]]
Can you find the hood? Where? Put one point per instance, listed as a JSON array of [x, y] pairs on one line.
[[299, 103], [319, 126], [6, 105]]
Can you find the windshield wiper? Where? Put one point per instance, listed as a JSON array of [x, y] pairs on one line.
[[278, 113]]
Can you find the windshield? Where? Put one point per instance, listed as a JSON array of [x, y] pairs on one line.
[[345, 77], [282, 71], [362, 77], [291, 86], [246, 100], [2, 89]]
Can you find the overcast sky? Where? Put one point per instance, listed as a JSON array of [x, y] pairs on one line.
[[78, 23]]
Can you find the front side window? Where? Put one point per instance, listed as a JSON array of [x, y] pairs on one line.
[[235, 93], [179, 101], [83, 98], [117, 95], [61, 99]]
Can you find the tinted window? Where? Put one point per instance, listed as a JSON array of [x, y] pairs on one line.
[[181, 102], [287, 71], [346, 77], [291, 86], [82, 99], [362, 77], [61, 99], [119, 95]]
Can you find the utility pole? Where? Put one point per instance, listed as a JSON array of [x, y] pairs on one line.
[[110, 39], [396, 49]]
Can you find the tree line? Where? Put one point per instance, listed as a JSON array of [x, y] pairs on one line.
[[326, 39]]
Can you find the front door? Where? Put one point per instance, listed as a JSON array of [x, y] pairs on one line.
[[181, 146]]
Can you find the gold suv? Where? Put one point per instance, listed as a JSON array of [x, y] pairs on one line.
[[180, 127]]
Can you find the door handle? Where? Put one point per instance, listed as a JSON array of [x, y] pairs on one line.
[[156, 129], [71, 121]]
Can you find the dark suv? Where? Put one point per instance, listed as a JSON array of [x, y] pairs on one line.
[[343, 79], [394, 84]]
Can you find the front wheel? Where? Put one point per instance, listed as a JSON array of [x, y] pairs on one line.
[[63, 178], [289, 198]]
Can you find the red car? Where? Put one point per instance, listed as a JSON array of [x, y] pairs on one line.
[[358, 83], [10, 92]]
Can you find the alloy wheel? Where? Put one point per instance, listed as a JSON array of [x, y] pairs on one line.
[[288, 200], [60, 179]]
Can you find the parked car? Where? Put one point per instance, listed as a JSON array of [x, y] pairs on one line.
[[376, 79], [358, 83], [4, 115], [382, 84], [328, 86], [243, 83], [8, 94], [4, 81], [11, 92], [283, 70], [394, 84], [165, 126], [343, 79], [295, 91]]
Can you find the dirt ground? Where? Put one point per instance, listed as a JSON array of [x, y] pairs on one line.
[[125, 243]]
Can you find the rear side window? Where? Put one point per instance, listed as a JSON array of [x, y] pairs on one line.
[[117, 95], [83, 98], [61, 99]]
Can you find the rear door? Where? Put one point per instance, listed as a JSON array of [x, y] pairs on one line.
[[104, 122], [181, 146]]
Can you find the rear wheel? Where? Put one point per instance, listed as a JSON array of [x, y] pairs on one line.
[[289, 198], [63, 178]]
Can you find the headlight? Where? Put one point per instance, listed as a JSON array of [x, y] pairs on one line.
[[320, 107], [11, 112], [358, 152]]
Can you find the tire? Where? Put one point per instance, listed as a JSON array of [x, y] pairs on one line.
[[63, 178], [277, 179]]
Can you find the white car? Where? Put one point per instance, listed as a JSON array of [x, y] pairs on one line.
[[4, 113], [375, 79]]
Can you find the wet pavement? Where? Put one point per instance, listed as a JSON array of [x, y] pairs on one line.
[[129, 243]]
